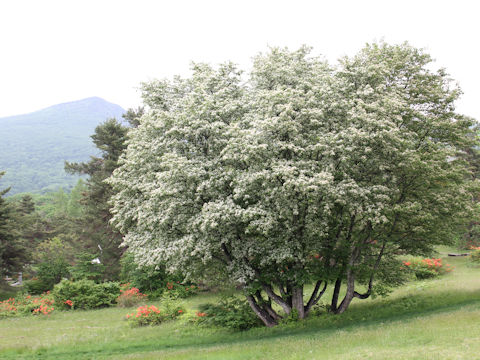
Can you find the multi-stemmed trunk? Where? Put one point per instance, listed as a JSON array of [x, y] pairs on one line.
[[290, 301]]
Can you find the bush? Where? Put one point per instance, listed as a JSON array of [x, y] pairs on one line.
[[53, 272], [475, 254], [176, 290], [85, 294], [36, 286], [52, 259], [33, 305], [230, 312], [36, 305], [151, 315], [427, 268], [154, 280], [8, 308], [147, 278], [129, 296]]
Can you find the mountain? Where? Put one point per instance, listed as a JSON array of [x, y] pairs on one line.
[[33, 147]]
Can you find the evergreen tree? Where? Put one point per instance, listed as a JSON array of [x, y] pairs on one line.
[[96, 236], [133, 116], [32, 228], [12, 253], [26, 205]]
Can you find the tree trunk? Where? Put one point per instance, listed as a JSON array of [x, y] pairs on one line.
[[287, 308], [350, 293], [267, 306], [260, 312], [297, 301], [336, 292], [315, 297]]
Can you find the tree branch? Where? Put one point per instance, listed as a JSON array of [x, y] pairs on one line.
[[314, 298], [278, 299]]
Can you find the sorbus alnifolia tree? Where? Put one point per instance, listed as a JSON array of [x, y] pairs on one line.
[[305, 173]]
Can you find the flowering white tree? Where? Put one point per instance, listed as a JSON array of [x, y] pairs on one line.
[[306, 173]]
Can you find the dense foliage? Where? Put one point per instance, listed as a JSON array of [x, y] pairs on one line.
[[12, 249], [86, 294], [230, 312], [305, 173]]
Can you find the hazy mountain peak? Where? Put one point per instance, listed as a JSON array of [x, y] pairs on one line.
[[34, 146]]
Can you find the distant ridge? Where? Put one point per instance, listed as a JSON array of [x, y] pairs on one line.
[[34, 146], [92, 104]]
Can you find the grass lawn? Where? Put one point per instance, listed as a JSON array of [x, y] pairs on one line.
[[432, 319]]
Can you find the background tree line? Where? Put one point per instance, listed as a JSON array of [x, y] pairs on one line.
[[57, 234]]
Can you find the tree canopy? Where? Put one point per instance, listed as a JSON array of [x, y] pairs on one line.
[[305, 173]]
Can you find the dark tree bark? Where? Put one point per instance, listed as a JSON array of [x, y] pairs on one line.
[[260, 312], [314, 298]]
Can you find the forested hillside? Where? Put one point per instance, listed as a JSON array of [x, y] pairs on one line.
[[34, 146]]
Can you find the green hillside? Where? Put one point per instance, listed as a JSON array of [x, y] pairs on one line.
[[34, 146]]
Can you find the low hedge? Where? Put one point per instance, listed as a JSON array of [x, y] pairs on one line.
[[85, 294]]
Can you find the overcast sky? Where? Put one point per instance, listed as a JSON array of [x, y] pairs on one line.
[[59, 51]]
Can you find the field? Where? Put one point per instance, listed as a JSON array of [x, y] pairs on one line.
[[430, 319]]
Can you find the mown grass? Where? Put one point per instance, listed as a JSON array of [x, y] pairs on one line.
[[434, 319]]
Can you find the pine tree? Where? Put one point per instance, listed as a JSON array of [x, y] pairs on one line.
[[96, 236], [12, 253]]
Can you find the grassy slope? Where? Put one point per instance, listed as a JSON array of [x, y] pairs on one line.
[[423, 320]]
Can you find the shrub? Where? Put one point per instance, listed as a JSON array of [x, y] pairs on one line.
[[34, 305], [151, 315], [475, 254], [176, 290], [53, 272], [230, 312], [48, 274], [129, 296], [69, 303], [85, 294], [52, 258], [148, 279], [8, 308], [36, 286], [427, 268], [154, 280]]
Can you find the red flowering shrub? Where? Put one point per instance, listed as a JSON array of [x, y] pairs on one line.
[[35, 305], [129, 296], [475, 254], [69, 303], [151, 315], [427, 268], [177, 290], [8, 307], [43, 309]]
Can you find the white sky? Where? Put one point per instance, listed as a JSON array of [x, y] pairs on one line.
[[59, 51]]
